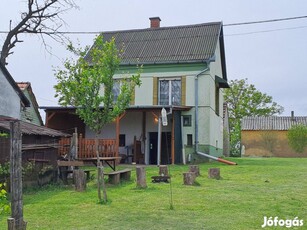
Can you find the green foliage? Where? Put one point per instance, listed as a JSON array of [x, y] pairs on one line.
[[4, 172], [6, 135], [244, 100], [46, 170], [87, 84], [297, 138], [4, 203]]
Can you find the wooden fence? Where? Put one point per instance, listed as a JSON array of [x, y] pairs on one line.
[[86, 147]]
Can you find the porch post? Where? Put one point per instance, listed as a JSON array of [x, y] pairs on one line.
[[159, 141], [117, 136]]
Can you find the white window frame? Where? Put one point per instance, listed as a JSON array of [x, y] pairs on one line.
[[170, 79]]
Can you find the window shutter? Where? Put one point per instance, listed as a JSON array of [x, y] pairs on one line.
[[155, 91], [183, 90]]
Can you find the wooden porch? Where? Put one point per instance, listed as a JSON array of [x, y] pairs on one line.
[[83, 148]]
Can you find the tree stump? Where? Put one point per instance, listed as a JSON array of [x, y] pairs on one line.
[[195, 169], [214, 173], [189, 178], [11, 223], [141, 177], [163, 171], [80, 180]]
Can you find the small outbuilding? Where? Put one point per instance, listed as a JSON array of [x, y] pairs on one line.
[[267, 136], [39, 143]]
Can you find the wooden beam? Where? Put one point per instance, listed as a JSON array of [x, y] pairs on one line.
[[70, 163], [122, 115], [49, 117]]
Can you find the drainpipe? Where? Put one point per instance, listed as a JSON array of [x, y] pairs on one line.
[[196, 106], [212, 59]]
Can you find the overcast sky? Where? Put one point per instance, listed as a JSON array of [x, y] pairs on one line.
[[272, 56]]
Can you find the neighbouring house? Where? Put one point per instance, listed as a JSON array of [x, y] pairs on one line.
[[31, 113], [267, 136], [184, 71], [12, 100], [39, 143]]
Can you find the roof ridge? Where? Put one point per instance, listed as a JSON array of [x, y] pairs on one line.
[[162, 28]]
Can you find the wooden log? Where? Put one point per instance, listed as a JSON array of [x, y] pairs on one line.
[[214, 173], [125, 175], [80, 180], [163, 171], [189, 178], [114, 178], [141, 177], [195, 169]]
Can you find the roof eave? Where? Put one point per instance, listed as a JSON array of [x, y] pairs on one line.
[[165, 62]]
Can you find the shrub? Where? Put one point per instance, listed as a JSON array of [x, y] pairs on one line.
[[4, 204], [297, 137]]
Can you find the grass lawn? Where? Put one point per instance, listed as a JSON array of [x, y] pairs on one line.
[[255, 188]]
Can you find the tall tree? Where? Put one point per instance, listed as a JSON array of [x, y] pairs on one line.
[[41, 18], [87, 83], [244, 100]]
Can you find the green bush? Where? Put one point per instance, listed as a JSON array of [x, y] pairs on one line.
[[4, 204], [297, 137]]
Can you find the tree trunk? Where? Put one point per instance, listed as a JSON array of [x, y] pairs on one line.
[[163, 171], [16, 175], [80, 180], [141, 177], [100, 176], [195, 169], [214, 173], [189, 178]]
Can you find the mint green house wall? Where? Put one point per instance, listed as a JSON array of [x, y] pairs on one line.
[[210, 123]]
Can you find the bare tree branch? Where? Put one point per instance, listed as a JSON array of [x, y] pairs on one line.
[[41, 19]]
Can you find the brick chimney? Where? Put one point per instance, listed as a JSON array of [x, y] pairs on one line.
[[155, 22], [292, 116]]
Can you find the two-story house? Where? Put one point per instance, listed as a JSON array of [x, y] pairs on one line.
[[184, 71]]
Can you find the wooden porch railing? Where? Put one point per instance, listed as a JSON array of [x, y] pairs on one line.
[[86, 147]]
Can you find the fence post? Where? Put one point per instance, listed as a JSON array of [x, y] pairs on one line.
[[16, 175]]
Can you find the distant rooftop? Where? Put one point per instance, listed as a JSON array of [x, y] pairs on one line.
[[272, 123]]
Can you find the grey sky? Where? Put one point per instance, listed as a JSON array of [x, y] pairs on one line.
[[275, 61]]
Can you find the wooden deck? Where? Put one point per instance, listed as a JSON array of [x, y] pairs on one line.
[[86, 148]]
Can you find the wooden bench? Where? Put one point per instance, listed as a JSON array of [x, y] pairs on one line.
[[64, 170], [116, 176], [70, 163], [64, 173]]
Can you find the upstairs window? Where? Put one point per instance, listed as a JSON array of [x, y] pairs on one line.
[[170, 91], [116, 89]]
